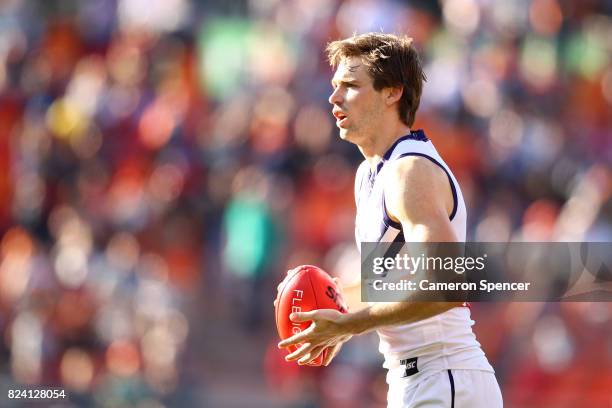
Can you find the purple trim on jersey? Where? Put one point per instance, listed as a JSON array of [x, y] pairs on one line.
[[370, 178], [418, 135], [386, 219]]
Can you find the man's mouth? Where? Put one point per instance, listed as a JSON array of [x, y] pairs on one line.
[[340, 118]]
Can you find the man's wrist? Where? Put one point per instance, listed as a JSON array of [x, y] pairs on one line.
[[355, 323]]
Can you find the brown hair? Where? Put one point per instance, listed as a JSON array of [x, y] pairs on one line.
[[391, 61]]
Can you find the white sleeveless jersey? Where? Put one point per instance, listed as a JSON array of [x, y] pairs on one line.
[[445, 341]]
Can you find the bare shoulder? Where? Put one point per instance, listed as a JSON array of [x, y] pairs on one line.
[[417, 188], [415, 172]]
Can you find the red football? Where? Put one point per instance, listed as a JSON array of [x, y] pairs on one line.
[[304, 289]]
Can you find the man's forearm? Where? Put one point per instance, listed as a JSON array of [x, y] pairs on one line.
[[352, 297], [387, 314]]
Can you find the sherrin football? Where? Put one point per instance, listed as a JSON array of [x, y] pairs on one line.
[[304, 289]]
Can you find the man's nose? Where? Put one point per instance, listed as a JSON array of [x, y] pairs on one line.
[[335, 98]]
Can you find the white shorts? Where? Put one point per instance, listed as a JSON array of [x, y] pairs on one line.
[[448, 389]]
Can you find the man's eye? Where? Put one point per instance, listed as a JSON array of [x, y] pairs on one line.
[[344, 85]]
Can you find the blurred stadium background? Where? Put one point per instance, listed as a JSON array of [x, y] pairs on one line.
[[163, 162]]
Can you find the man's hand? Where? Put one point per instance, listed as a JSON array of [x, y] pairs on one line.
[[326, 330]]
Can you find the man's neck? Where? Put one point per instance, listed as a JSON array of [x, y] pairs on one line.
[[375, 151]]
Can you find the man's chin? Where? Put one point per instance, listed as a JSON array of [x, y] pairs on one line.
[[345, 135]]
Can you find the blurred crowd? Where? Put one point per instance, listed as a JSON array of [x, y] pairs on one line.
[[163, 162]]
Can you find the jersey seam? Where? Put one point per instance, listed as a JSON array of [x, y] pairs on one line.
[[314, 293]]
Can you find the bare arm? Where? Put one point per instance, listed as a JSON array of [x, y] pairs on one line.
[[418, 195], [351, 293]]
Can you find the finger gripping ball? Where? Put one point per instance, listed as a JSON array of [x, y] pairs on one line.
[[306, 288]]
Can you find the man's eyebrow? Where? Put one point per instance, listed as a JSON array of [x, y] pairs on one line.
[[344, 81]]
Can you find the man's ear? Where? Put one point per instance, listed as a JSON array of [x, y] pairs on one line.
[[393, 94]]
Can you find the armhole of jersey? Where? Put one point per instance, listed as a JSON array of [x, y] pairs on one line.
[[450, 180], [386, 219]]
